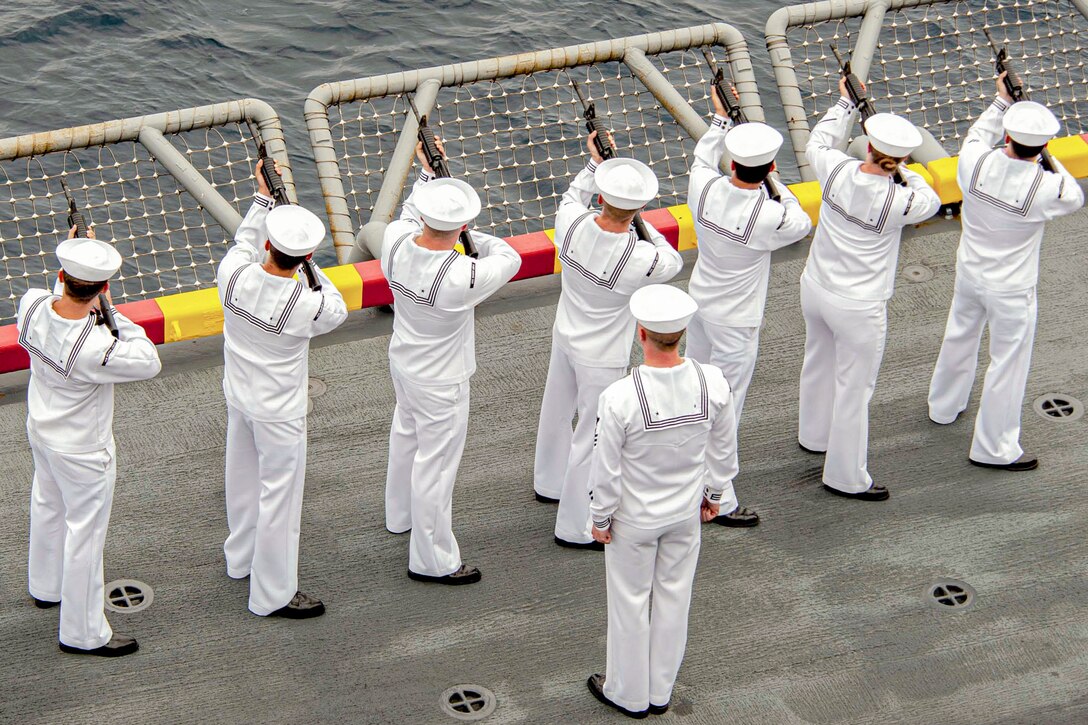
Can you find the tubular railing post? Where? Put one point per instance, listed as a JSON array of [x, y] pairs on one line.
[[190, 179], [328, 170], [785, 76], [368, 243], [268, 125], [861, 55]]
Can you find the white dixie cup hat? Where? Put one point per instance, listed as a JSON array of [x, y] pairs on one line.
[[447, 204], [626, 184], [892, 135], [663, 308], [294, 230], [1030, 123], [753, 144], [88, 259]]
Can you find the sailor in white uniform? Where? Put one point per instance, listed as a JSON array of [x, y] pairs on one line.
[[432, 355], [666, 451], [738, 226], [604, 263], [268, 320], [1007, 200], [74, 363], [849, 277]]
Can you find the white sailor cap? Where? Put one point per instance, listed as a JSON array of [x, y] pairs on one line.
[[892, 135], [447, 204], [626, 183], [753, 144], [663, 308], [1031, 123], [88, 259], [294, 230]]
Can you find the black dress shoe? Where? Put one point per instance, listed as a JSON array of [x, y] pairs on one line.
[[301, 606], [44, 603], [659, 709], [465, 575], [544, 499], [810, 450], [118, 646], [1023, 463], [588, 545], [595, 683], [873, 493], [741, 518]]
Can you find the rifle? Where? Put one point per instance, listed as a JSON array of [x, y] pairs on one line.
[[1015, 88], [75, 219], [736, 113], [605, 149], [859, 99], [275, 184], [437, 161]]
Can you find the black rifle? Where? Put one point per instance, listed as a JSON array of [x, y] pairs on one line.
[[605, 149], [75, 219], [736, 113], [861, 101], [437, 161], [274, 182], [1015, 87]]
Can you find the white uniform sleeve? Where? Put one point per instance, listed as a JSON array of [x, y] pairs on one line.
[[923, 201], [987, 130], [708, 157], [650, 263], [131, 357], [497, 265], [795, 224], [330, 308], [578, 197], [604, 470], [248, 240], [830, 132], [1069, 196], [409, 211], [721, 452]]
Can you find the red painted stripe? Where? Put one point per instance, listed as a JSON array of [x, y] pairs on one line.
[[148, 315], [663, 221], [537, 254], [12, 357], [376, 290]]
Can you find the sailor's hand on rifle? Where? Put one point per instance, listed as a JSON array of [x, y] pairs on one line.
[[90, 233], [262, 187], [591, 144], [422, 155], [1002, 89], [719, 107], [844, 91]]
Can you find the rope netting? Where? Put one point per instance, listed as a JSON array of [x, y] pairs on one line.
[[934, 65], [168, 243], [520, 140]]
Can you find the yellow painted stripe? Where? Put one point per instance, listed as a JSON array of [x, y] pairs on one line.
[[551, 235], [191, 315], [1072, 151], [346, 279], [686, 223], [809, 195]]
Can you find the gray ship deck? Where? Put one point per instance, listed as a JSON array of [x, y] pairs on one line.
[[818, 615]]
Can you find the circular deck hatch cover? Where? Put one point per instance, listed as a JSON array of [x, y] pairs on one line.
[[468, 702], [128, 595], [951, 594], [1059, 407]]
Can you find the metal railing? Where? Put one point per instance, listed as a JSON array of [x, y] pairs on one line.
[[928, 59], [153, 185], [513, 126]]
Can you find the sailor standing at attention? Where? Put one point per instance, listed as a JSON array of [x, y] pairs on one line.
[[666, 450], [738, 226], [432, 355], [604, 263], [268, 320], [849, 277], [1007, 199], [74, 363]]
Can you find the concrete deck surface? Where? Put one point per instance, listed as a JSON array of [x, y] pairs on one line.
[[819, 615]]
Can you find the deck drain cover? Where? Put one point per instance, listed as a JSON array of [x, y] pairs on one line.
[[128, 595], [917, 273], [951, 594], [468, 702], [1059, 407], [317, 388]]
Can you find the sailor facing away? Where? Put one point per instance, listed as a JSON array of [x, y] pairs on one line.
[[848, 279], [268, 320], [604, 263], [1007, 200], [74, 363], [666, 451], [432, 355], [738, 226]]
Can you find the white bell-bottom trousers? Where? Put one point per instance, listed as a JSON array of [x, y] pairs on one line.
[[265, 477], [1011, 317], [70, 504], [645, 648], [426, 441], [561, 469], [844, 344]]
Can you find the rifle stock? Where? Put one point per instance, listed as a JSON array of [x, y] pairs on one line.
[[1015, 87], [75, 219]]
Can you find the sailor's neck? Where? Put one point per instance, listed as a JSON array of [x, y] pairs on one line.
[[661, 359], [435, 244], [611, 225], [70, 309]]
